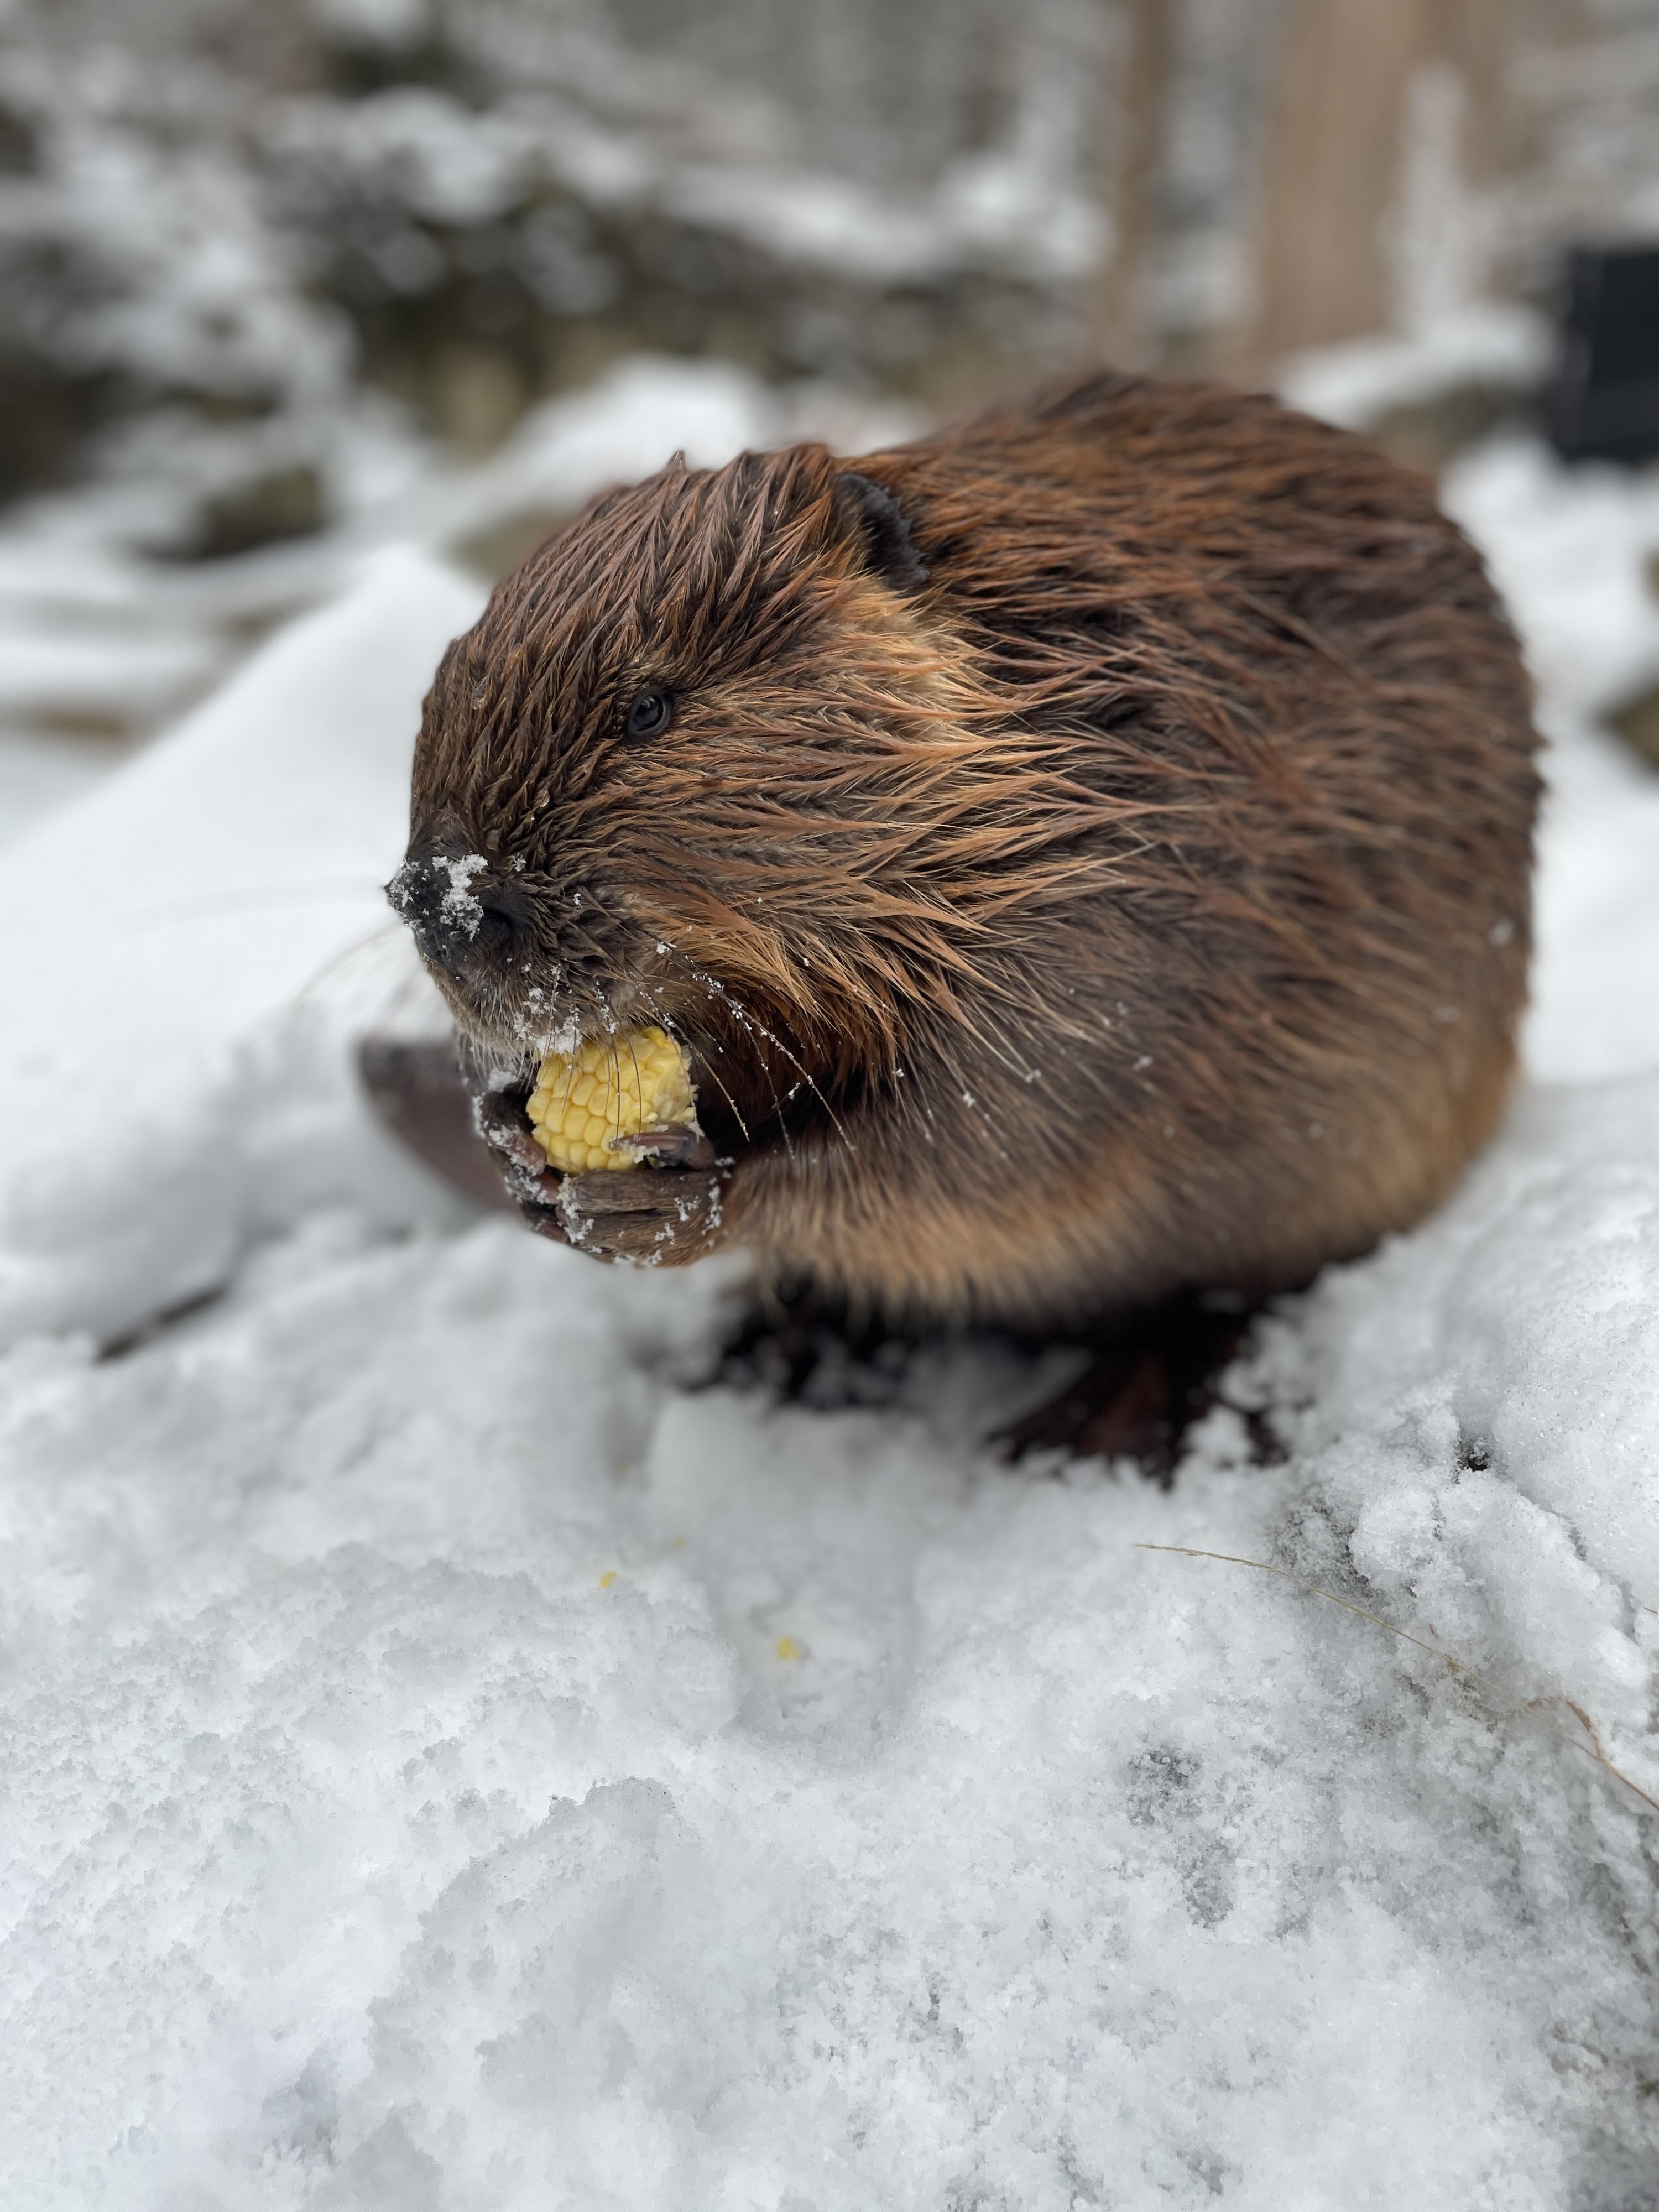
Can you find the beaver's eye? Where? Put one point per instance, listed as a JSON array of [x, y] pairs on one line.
[[650, 713]]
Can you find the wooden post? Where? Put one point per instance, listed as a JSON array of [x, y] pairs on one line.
[[1139, 91], [1330, 177]]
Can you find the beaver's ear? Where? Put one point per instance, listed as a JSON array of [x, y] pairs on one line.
[[869, 512]]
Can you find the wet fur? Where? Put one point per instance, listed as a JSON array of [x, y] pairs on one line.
[[1104, 871]]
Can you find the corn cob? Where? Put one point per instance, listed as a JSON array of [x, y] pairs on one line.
[[587, 1103]]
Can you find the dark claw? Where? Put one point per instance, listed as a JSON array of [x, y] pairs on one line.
[[674, 1148], [545, 1220], [520, 1161], [499, 1117]]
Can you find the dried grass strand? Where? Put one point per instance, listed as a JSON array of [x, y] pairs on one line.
[[1592, 1750]]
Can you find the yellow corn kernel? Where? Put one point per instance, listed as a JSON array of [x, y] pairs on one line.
[[587, 1103]]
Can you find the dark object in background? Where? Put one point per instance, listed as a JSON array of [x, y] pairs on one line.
[[1638, 723], [1604, 404]]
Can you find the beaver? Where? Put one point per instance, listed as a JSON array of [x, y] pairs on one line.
[[1084, 855]]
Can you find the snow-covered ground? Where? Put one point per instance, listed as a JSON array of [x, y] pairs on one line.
[[451, 1763]]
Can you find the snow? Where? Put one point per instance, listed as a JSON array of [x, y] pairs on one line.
[[39, 775], [1482, 341], [568, 449], [1574, 552], [93, 677], [453, 1761], [1008, 208]]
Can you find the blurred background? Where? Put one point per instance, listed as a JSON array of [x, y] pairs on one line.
[[285, 280]]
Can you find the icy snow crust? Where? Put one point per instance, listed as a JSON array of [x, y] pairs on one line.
[[452, 1764]]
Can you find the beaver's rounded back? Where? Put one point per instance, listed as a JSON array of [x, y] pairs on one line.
[[1085, 854]]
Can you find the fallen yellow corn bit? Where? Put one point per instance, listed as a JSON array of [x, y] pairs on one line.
[[587, 1103]]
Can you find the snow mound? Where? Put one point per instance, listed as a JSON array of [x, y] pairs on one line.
[[174, 922], [453, 1763]]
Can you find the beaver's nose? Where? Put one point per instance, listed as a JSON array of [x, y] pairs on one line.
[[461, 913]]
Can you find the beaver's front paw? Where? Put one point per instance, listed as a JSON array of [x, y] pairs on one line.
[[654, 1217]]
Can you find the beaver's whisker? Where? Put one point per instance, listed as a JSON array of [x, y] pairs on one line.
[[639, 1080], [714, 1075], [343, 958], [258, 898], [749, 1020]]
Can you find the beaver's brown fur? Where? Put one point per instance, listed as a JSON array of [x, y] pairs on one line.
[[1089, 858]]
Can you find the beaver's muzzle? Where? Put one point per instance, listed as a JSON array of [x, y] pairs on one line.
[[464, 918]]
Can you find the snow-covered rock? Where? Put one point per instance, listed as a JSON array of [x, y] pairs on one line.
[[451, 1763]]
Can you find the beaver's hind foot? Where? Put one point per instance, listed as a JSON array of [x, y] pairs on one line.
[[1150, 1381]]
